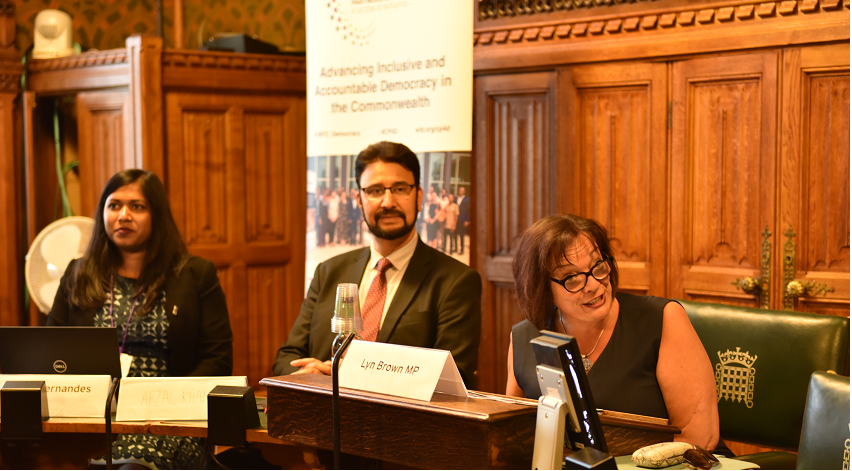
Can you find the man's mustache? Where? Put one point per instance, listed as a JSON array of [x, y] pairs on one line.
[[390, 213]]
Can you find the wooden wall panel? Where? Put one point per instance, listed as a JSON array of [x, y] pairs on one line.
[[229, 157], [515, 148], [206, 171], [104, 129], [815, 172], [615, 126], [723, 179], [10, 255], [264, 175]]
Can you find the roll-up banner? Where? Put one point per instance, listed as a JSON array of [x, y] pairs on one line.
[[388, 70], [399, 70]]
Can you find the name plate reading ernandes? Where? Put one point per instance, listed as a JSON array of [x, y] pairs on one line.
[[177, 398], [411, 372], [71, 395]]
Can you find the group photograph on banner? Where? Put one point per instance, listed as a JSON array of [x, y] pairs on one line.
[[378, 71]]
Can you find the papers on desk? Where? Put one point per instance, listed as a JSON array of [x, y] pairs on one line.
[[625, 462]]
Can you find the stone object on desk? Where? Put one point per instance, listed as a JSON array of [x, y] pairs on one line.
[[660, 455]]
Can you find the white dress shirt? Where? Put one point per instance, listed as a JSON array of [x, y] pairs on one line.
[[400, 259]]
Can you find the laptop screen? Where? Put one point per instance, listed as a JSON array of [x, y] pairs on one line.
[[59, 350]]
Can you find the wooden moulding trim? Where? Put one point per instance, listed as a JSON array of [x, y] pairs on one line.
[[632, 24], [229, 60], [88, 59]]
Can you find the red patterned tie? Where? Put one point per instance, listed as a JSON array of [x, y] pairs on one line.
[[375, 302]]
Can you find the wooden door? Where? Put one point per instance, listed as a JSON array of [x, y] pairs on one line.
[[514, 186], [814, 190], [235, 174], [105, 139], [723, 190], [613, 126]]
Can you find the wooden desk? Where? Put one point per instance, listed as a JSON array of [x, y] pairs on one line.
[[69, 443], [447, 432]]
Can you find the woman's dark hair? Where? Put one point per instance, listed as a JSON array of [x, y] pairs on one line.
[[540, 249], [89, 284], [387, 151]]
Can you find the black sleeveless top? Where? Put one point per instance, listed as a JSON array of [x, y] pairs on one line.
[[623, 378]]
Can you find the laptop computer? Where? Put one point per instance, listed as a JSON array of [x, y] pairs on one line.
[[59, 350]]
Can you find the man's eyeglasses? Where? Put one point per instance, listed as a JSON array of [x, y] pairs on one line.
[[577, 281], [399, 190], [700, 458]]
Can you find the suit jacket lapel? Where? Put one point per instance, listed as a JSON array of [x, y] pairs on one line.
[[355, 269], [416, 272]]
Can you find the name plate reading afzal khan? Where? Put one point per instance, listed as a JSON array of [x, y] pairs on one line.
[[178, 398]]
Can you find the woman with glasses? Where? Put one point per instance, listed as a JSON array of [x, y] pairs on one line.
[[641, 354]]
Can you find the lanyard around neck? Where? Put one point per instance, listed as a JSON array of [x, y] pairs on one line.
[[129, 316]]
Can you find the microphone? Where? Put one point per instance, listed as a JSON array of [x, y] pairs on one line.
[[335, 395], [347, 315]]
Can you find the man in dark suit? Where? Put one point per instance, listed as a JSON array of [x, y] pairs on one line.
[[428, 299], [464, 218]]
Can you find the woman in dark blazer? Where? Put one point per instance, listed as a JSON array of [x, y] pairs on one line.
[[167, 306]]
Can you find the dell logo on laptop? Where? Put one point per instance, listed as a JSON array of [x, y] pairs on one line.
[[60, 366]]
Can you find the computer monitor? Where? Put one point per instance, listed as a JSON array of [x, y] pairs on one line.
[[59, 350], [582, 426]]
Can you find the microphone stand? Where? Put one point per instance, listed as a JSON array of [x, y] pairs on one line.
[[108, 421], [335, 397]]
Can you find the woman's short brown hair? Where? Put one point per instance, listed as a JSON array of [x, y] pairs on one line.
[[539, 250]]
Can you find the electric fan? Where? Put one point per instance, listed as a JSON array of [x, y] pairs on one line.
[[52, 36], [53, 248]]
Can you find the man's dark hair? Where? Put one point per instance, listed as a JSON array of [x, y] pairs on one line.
[[89, 284], [391, 152]]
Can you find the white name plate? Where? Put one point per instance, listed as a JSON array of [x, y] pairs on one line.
[[411, 372], [71, 395], [175, 398]]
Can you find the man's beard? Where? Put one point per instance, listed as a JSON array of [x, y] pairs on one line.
[[390, 234]]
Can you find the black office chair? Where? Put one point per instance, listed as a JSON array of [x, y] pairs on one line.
[[825, 431], [763, 361]]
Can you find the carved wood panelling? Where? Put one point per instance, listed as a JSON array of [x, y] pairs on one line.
[[206, 173], [828, 173], [507, 313], [724, 171], [104, 128], [249, 153], [815, 173], [265, 295], [723, 178], [614, 123], [658, 29], [11, 266], [265, 170], [515, 177]]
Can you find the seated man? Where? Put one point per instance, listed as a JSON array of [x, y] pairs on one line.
[[410, 293]]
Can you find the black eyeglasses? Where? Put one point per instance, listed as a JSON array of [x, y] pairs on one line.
[[577, 281], [399, 190]]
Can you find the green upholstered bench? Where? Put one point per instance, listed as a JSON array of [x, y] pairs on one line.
[[763, 361]]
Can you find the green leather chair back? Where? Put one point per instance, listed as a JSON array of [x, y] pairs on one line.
[[825, 433], [763, 361]]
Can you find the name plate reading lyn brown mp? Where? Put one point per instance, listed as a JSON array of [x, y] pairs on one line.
[[412, 372], [71, 395], [176, 398]]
